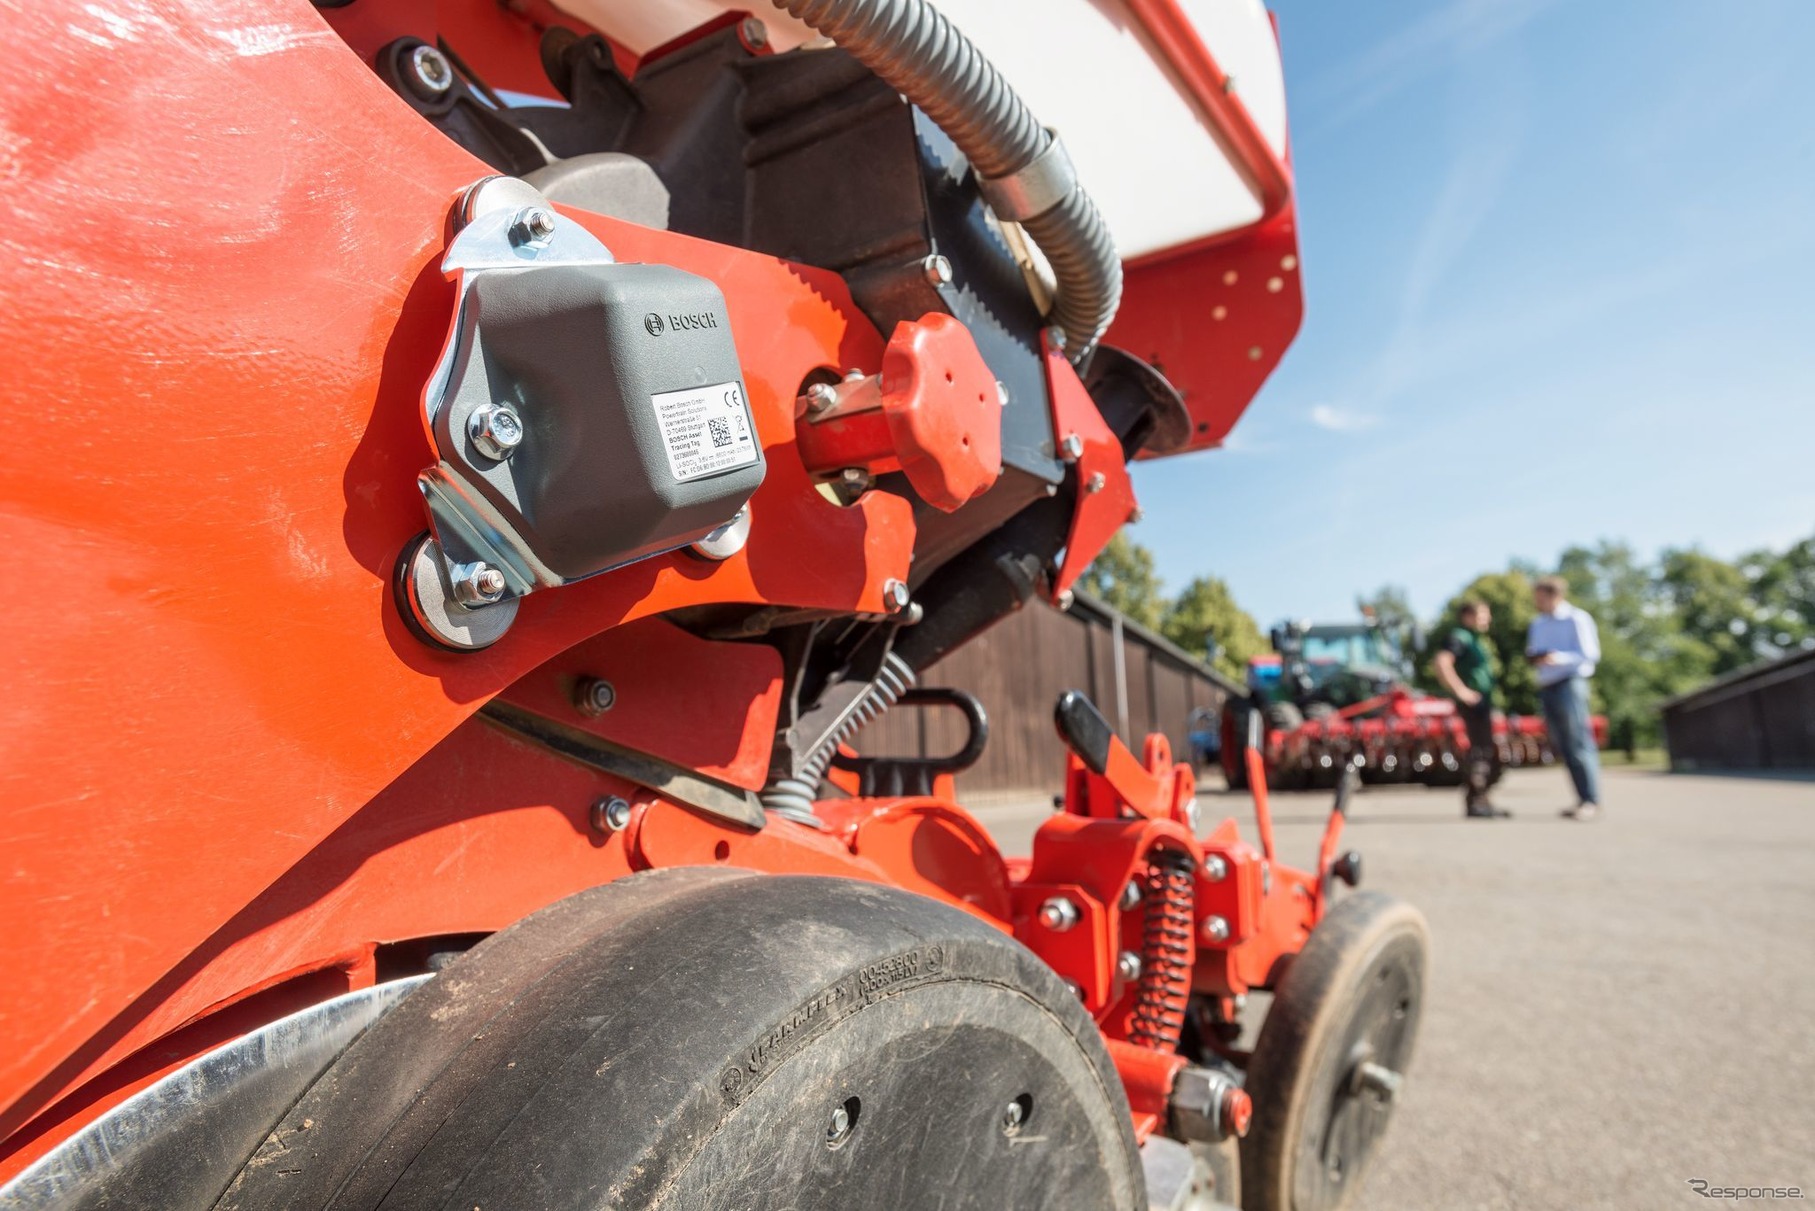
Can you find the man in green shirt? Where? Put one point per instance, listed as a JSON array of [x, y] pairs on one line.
[[1467, 671]]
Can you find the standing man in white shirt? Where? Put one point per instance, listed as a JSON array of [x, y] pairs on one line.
[[1564, 646]]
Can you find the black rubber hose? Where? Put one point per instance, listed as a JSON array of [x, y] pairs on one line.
[[911, 46]]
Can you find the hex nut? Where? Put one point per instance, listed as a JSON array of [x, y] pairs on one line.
[[476, 584], [1214, 929], [1058, 914], [895, 596]]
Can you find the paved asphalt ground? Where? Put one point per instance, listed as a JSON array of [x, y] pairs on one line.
[[1614, 1008]]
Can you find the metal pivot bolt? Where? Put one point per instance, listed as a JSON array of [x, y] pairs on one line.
[[535, 226], [1128, 965], [1058, 914], [430, 74], [611, 815], [496, 430], [1096, 483], [1071, 448], [1131, 895], [1216, 868], [839, 1127], [476, 584], [895, 596], [755, 33], [938, 270], [594, 696], [1215, 929]]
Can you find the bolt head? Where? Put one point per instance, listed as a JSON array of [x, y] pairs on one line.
[[1071, 448], [496, 430], [1216, 868], [1013, 1115], [1096, 483], [821, 397], [595, 696], [1214, 929], [895, 596], [611, 814], [938, 270], [1131, 894], [1058, 914], [1128, 965], [1002, 393], [839, 1126], [755, 33], [1066, 598], [430, 74]]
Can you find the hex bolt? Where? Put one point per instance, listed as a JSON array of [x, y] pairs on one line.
[[1131, 894], [1071, 448], [1056, 335], [1128, 965], [496, 430], [476, 584], [431, 75], [821, 398], [594, 696], [1066, 597], [839, 1127], [1013, 1115], [1216, 868], [938, 270], [895, 596], [755, 33], [1058, 914], [854, 475], [1096, 483], [610, 815], [1380, 1079], [1215, 929], [534, 227], [1207, 1105]]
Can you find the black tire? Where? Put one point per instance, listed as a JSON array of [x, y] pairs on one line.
[[707, 1039], [1353, 996]]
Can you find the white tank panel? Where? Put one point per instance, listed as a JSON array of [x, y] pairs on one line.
[[1137, 140]]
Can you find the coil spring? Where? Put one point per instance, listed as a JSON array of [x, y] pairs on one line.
[[793, 797], [1164, 992]]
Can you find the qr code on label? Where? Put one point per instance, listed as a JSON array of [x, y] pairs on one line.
[[721, 431]]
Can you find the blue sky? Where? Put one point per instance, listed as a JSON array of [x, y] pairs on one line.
[[1559, 262]]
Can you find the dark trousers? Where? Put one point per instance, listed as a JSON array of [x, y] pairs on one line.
[[1483, 753]]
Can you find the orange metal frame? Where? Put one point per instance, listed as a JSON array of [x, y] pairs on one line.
[[233, 781]]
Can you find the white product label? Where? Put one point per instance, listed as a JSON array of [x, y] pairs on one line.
[[705, 430]]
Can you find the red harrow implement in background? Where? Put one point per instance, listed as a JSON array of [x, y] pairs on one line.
[[1335, 696], [488, 460]]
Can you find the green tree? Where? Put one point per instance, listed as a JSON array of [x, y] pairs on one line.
[[1122, 576], [1782, 590], [1206, 617], [1713, 604]]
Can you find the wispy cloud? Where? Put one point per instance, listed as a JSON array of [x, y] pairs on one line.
[[1342, 420], [1430, 44]]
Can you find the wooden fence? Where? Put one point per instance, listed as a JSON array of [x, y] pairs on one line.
[[1141, 682]]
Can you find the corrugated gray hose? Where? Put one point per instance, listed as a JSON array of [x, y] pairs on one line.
[[911, 46]]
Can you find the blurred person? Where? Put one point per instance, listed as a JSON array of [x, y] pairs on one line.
[[1564, 645], [1465, 669]]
